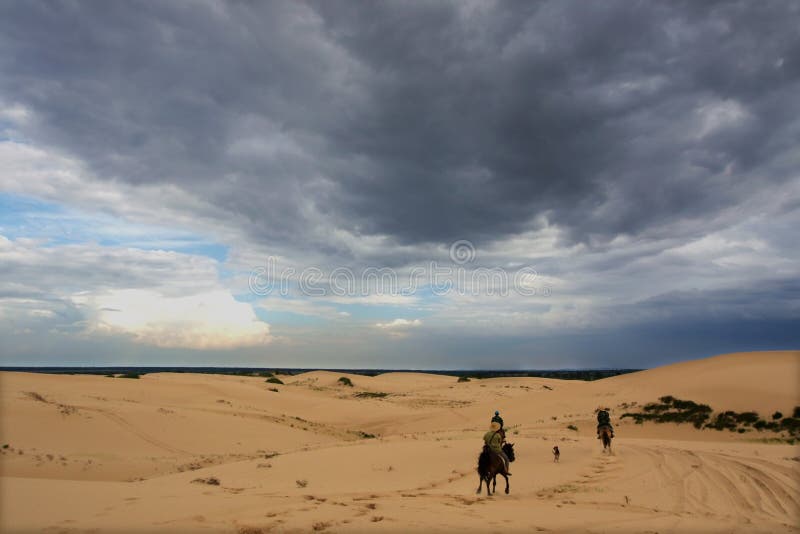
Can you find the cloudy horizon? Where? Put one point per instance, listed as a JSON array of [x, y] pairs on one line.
[[207, 183]]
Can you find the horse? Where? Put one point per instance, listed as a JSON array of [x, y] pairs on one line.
[[490, 465], [605, 434]]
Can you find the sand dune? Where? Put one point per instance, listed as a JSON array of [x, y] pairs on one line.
[[110, 454], [766, 381]]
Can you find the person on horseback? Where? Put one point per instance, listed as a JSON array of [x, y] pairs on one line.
[[604, 422], [499, 420], [494, 441]]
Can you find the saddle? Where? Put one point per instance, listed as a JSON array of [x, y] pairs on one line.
[[493, 454]]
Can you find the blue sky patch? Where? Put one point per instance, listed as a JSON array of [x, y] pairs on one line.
[[29, 217]]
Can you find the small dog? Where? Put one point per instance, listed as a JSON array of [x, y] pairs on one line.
[[556, 454]]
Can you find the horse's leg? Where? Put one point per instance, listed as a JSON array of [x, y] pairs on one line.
[[494, 483], [506, 477], [488, 489], [480, 484]]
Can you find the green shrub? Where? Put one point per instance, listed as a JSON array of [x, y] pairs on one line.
[[796, 413], [764, 425], [722, 421], [344, 381], [463, 379], [572, 427], [274, 380], [777, 415], [747, 418], [791, 425], [130, 375], [672, 410]]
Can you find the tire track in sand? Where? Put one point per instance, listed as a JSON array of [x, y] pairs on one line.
[[755, 489]]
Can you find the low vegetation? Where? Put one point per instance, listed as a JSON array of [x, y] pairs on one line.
[[344, 381], [463, 379], [36, 396], [733, 421], [672, 410], [274, 380], [371, 395], [211, 481], [130, 375], [572, 427]]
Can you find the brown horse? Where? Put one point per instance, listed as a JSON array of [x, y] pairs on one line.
[[606, 437], [491, 464]]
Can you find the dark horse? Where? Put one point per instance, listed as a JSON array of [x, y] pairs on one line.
[[605, 434], [490, 465]]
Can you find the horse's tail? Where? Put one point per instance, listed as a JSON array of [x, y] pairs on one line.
[[484, 462]]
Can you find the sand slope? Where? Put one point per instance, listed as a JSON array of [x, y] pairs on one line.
[[124, 455]]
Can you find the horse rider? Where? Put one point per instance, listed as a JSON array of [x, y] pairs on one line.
[[604, 421], [497, 419], [494, 440]]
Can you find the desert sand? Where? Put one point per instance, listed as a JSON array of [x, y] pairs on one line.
[[100, 454]]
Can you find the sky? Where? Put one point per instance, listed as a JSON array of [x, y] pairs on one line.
[[426, 185]]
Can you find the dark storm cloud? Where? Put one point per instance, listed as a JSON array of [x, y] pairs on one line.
[[426, 122], [773, 299]]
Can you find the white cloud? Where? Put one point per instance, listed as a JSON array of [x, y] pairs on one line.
[[158, 298], [719, 115], [14, 113], [399, 328], [300, 306], [399, 324], [211, 320]]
